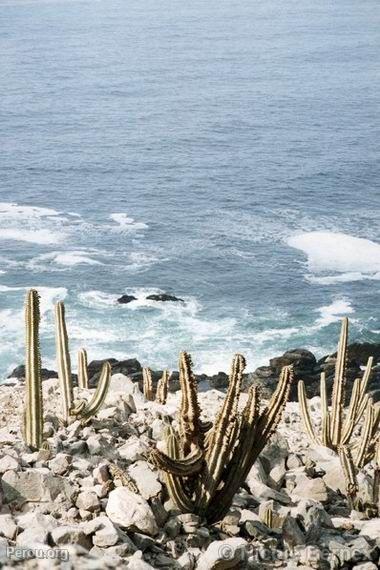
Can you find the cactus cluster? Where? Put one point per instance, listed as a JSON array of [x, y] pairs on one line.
[[206, 464], [162, 386], [338, 431], [33, 415]]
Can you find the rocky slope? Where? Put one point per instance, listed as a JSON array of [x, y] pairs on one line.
[[92, 497]]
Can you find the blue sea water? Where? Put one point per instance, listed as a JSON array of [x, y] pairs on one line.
[[226, 152]]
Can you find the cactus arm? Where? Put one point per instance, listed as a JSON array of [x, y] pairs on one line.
[[82, 369], [271, 415], [175, 484], [147, 383], [366, 377], [189, 465], [162, 388], [221, 442], [338, 395], [325, 437], [365, 439], [242, 459], [189, 416], [63, 361], [34, 401], [350, 421], [349, 471], [94, 405]]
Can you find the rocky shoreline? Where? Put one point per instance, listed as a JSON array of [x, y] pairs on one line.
[[306, 368], [71, 500]]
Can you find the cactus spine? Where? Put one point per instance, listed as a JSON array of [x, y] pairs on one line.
[[205, 470], [34, 401]]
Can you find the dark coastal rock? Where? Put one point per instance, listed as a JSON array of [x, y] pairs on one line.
[[301, 359], [164, 297], [127, 367], [124, 299], [308, 369], [19, 372]]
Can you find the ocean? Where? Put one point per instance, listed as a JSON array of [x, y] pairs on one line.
[[225, 152]]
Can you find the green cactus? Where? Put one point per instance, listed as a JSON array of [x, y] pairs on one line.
[[204, 469], [33, 428]]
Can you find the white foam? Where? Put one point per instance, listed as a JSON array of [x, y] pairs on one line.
[[334, 312], [127, 224], [63, 258], [339, 253], [97, 299], [42, 226], [276, 334]]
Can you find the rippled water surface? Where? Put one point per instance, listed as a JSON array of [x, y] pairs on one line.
[[226, 152]]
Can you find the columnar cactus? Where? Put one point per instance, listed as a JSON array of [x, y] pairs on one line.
[[147, 383], [206, 466], [33, 403], [338, 426], [83, 409], [162, 386], [63, 362], [82, 369]]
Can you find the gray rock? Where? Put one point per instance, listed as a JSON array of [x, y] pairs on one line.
[[146, 479], [7, 526], [88, 501], [222, 554], [311, 489], [8, 463], [131, 511], [60, 464], [30, 485], [292, 533], [70, 534]]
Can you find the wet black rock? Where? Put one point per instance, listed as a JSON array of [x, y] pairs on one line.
[[19, 372], [308, 369], [124, 299], [164, 297], [127, 367]]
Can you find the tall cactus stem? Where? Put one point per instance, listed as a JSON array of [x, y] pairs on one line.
[[34, 401]]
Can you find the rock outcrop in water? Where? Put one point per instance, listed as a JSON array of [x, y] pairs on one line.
[[124, 299]]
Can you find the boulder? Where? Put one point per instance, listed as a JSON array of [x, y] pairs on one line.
[[19, 372], [124, 299], [130, 511], [30, 485], [222, 554], [164, 297], [126, 367]]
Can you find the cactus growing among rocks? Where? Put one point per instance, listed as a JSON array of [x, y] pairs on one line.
[[338, 426], [162, 386], [82, 409], [34, 404], [206, 468]]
